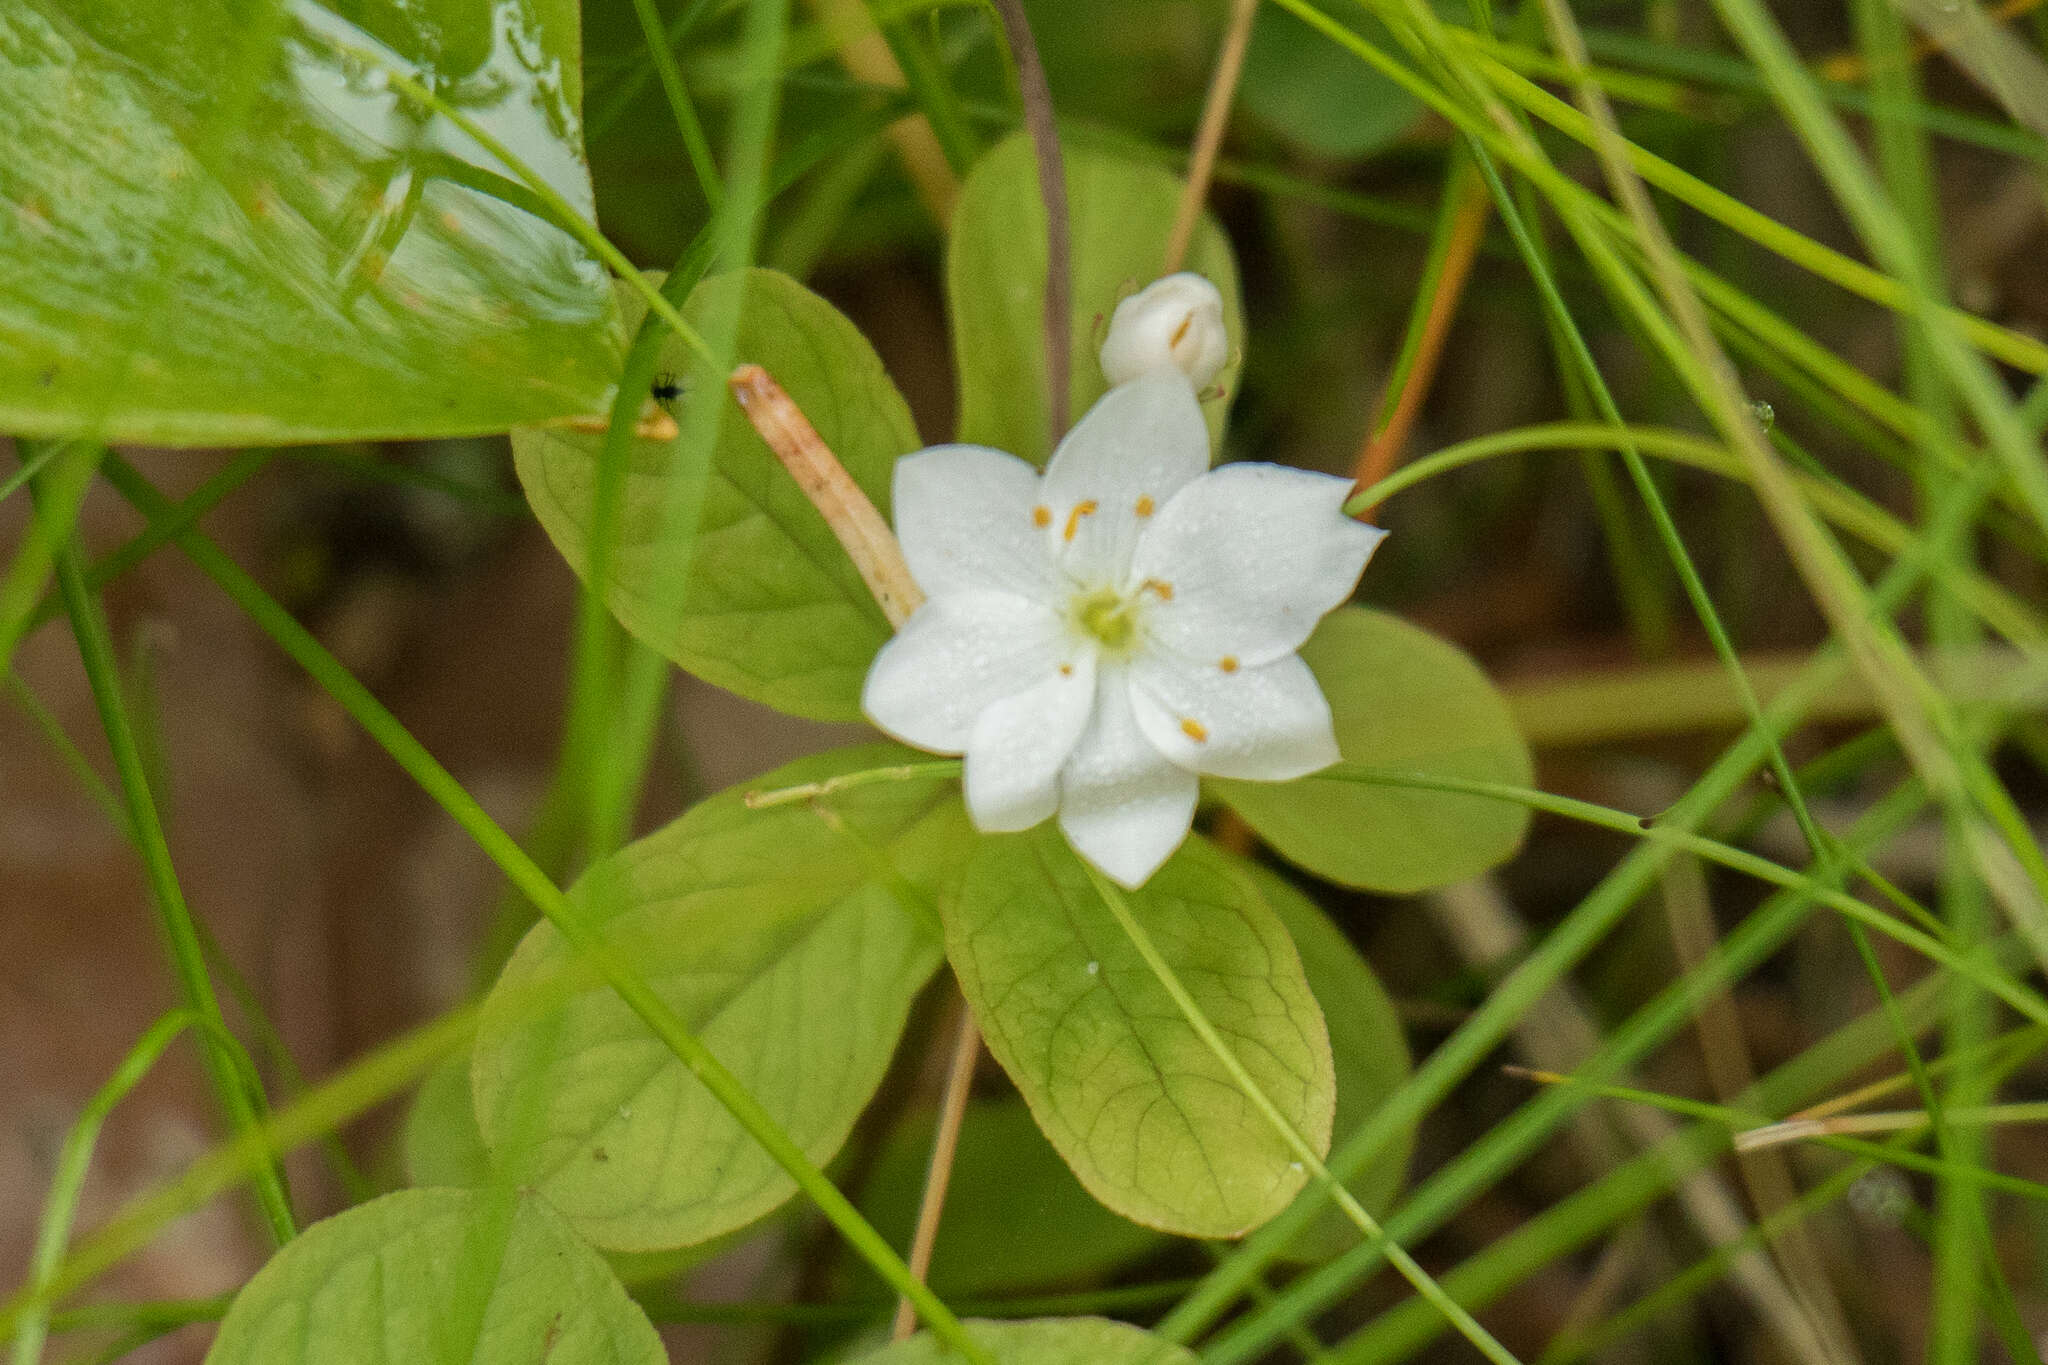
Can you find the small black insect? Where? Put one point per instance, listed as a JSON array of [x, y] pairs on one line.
[[667, 388]]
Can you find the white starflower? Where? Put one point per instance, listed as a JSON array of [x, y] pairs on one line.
[[1175, 322], [1095, 637]]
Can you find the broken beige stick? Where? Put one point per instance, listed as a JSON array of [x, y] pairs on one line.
[[868, 540], [652, 425]]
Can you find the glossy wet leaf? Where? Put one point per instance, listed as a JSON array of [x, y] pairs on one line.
[[437, 1277], [1404, 699], [1313, 92], [1136, 1103], [1015, 1216], [769, 933], [1043, 1341], [1120, 215], [1370, 1048], [223, 225], [773, 609]]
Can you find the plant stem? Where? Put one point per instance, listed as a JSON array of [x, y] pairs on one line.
[[1209, 132], [1052, 188], [1452, 254], [945, 1145]]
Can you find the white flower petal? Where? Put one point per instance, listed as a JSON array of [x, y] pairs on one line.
[[1267, 723], [956, 656], [1018, 745], [1117, 469], [1123, 806], [1250, 557], [965, 517]]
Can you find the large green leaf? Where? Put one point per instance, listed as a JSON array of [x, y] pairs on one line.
[[1043, 1341], [1312, 91], [1015, 1216], [437, 1277], [1371, 1052], [766, 931], [1402, 698], [1136, 1103], [772, 609], [1120, 213], [223, 224]]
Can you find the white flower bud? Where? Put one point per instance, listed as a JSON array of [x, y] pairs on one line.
[[1177, 322]]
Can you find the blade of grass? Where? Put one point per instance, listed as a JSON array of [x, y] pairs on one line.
[[1925, 724], [1511, 1141], [52, 514], [367, 1082], [1998, 607], [242, 1106], [74, 1159], [1822, 261], [688, 126]]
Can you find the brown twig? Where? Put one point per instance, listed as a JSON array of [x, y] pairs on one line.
[[945, 1145], [1209, 131], [1052, 188], [1384, 444], [868, 540]]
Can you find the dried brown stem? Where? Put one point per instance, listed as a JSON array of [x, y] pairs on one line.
[[1052, 188], [868, 540], [945, 1145], [1383, 446], [1209, 132]]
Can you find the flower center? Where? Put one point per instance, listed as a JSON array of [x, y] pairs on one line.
[[1109, 616], [1112, 617]]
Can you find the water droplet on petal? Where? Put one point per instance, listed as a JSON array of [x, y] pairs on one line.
[[1765, 414]]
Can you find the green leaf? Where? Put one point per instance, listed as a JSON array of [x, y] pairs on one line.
[[1316, 94], [1371, 1052], [1015, 1216], [223, 230], [767, 931], [1120, 213], [437, 1277], [1133, 1099], [1402, 698], [1043, 1341], [773, 609], [441, 1143]]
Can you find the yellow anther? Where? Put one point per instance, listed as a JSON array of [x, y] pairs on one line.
[[1181, 331], [1194, 729], [1228, 663], [1084, 508], [1145, 505], [1066, 670], [1158, 585], [1041, 515]]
